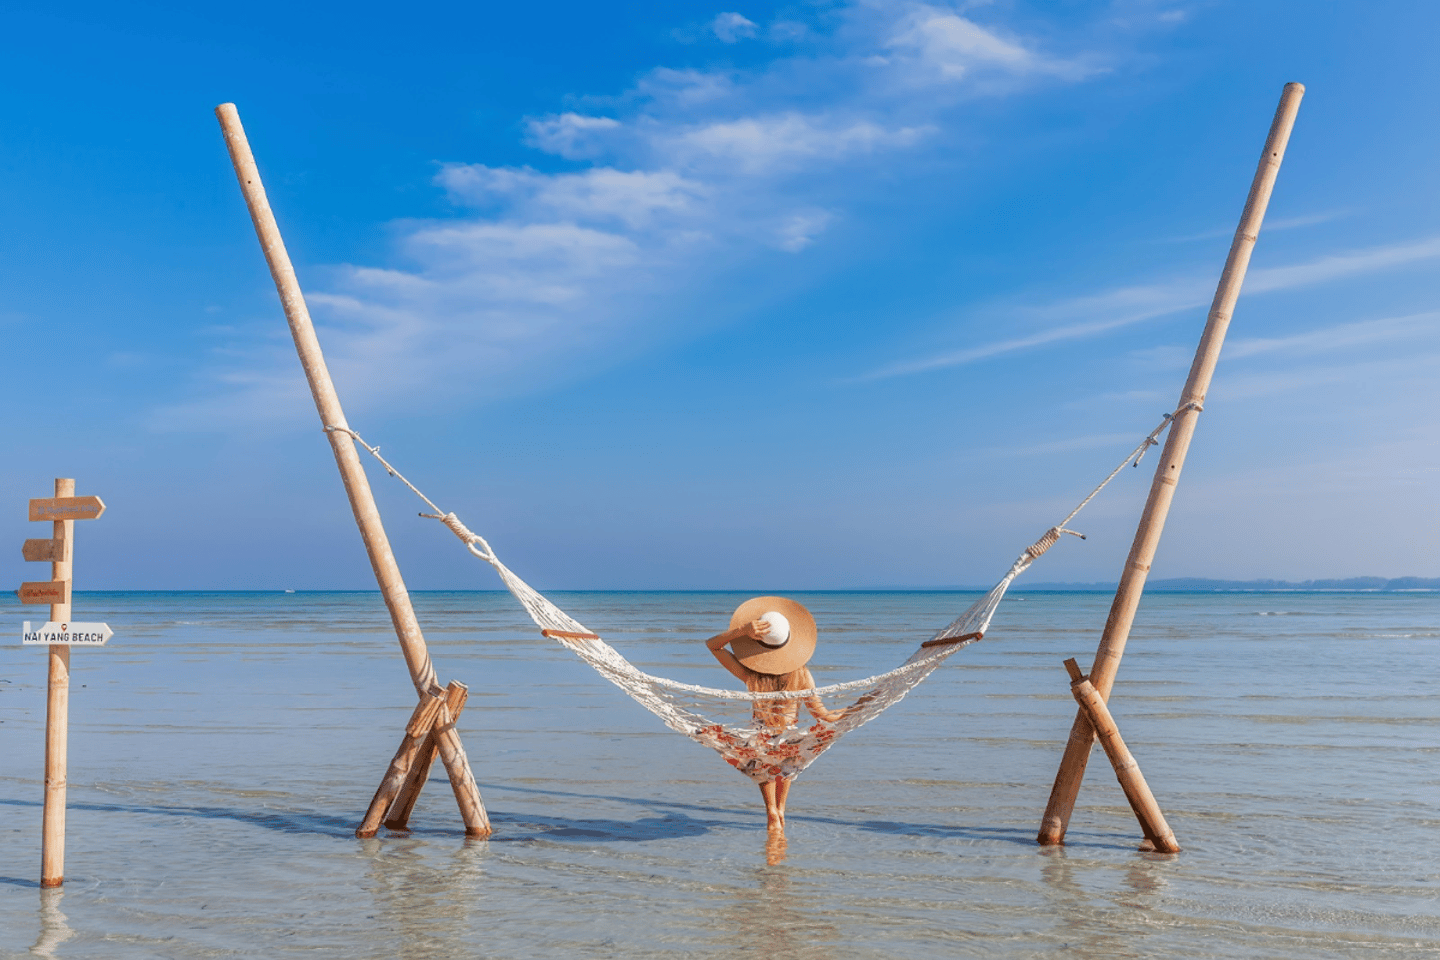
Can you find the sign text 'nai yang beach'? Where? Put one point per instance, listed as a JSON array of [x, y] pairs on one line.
[[86, 634]]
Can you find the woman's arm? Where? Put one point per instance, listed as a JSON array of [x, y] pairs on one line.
[[755, 629], [817, 707]]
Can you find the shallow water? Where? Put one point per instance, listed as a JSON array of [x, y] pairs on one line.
[[224, 746]]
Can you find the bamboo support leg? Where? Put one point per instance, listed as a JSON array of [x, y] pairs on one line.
[[1158, 834], [1172, 460], [404, 803], [462, 781], [416, 732]]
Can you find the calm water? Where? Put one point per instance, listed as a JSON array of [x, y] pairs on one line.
[[223, 747]]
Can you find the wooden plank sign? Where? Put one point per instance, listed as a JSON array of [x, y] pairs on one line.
[[82, 634], [45, 591], [43, 550], [66, 508]]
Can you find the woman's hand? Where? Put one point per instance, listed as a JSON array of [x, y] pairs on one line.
[[755, 630]]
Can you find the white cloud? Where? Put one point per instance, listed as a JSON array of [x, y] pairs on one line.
[[571, 135], [732, 27], [1341, 265], [1097, 314], [1344, 336], [765, 144], [952, 46], [688, 170]]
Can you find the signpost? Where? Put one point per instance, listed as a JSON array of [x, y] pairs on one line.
[[84, 634], [58, 634]]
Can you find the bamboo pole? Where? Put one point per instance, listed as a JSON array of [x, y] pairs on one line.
[[399, 818], [357, 487], [327, 403], [57, 712], [1167, 471], [1157, 832], [462, 781], [416, 732]]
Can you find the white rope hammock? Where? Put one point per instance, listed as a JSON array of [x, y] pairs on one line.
[[733, 722]]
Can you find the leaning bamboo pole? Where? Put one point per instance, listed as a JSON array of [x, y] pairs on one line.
[[357, 486], [327, 402], [57, 710], [1167, 471]]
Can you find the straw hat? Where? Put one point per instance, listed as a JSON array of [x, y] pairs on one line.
[[790, 643]]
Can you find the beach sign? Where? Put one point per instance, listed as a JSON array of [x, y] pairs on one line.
[[39, 551], [66, 508], [75, 634], [45, 591]]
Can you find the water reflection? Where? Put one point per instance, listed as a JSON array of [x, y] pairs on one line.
[[54, 925], [774, 916], [1107, 921], [425, 906]]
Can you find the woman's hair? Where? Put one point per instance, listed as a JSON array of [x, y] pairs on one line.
[[797, 679]]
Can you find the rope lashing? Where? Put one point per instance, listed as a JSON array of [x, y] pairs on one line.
[[1051, 537], [1134, 460], [1150, 441], [475, 543]]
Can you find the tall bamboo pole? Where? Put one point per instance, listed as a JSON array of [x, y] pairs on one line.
[[327, 402], [57, 712], [1167, 471]]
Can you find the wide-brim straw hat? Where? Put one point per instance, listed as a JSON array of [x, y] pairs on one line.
[[791, 653]]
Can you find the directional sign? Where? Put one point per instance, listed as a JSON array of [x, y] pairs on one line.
[[66, 508], [40, 550], [45, 591], [84, 634]]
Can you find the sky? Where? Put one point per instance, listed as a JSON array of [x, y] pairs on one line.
[[682, 295]]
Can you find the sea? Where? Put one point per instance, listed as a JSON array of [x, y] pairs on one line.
[[224, 746]]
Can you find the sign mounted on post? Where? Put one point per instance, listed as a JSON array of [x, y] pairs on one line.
[[53, 592], [66, 508], [82, 634], [41, 551], [58, 635]]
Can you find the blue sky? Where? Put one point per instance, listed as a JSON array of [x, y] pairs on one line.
[[673, 295]]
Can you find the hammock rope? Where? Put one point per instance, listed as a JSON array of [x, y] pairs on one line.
[[742, 725]]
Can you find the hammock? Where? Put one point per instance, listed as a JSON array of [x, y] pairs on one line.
[[733, 723]]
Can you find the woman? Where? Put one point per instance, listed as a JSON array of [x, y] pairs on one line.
[[772, 638]]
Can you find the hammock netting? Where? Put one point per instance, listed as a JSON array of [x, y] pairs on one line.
[[741, 725]]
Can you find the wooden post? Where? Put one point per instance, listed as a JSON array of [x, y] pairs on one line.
[[357, 486], [399, 818], [462, 781], [416, 732], [327, 403], [1167, 471], [1158, 834], [57, 711]]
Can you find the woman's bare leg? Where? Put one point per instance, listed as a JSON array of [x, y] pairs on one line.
[[774, 815], [782, 790]]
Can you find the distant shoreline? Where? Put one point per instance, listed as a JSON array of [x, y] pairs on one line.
[[1174, 585], [1203, 585]]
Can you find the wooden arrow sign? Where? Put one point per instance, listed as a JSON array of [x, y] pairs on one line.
[[43, 550], [45, 591], [66, 508]]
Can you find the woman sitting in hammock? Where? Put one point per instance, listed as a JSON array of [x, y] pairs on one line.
[[772, 639]]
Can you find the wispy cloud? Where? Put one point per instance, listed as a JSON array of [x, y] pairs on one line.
[[688, 169], [1272, 224], [732, 27], [1093, 315], [1344, 336]]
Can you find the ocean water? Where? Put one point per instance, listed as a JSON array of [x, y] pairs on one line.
[[223, 747]]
